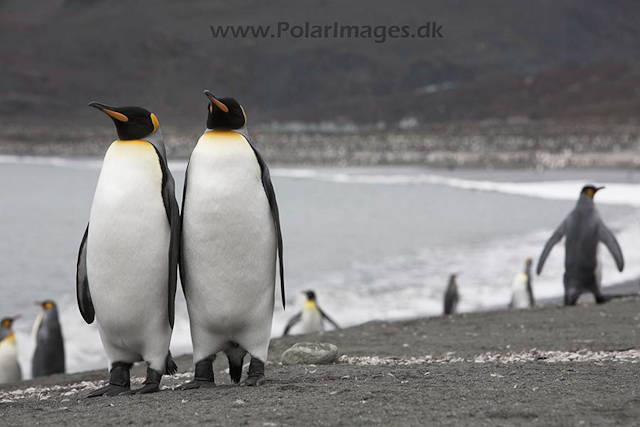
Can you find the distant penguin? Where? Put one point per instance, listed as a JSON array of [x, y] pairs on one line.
[[311, 317], [9, 368], [522, 291], [451, 296], [48, 358], [583, 229], [230, 241], [127, 265]]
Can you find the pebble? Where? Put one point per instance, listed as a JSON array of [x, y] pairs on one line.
[[310, 353]]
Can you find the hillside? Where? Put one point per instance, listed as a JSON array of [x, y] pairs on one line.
[[574, 60]]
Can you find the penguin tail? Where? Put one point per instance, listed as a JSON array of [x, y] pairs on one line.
[[171, 367], [235, 354]]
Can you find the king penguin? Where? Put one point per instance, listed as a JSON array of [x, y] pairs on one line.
[[231, 239], [311, 317], [48, 358], [583, 229], [451, 296], [127, 264], [9, 368], [521, 289]]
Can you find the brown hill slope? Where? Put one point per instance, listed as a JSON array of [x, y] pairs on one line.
[[575, 58]]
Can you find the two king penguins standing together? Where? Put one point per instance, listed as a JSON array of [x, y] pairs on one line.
[[226, 243]]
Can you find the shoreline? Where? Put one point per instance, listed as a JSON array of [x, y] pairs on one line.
[[501, 144]]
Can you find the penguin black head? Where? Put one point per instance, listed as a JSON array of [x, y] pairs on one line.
[[590, 190], [46, 304], [224, 113], [5, 326], [131, 122], [8, 321], [311, 296]]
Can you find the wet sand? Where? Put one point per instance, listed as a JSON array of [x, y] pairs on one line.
[[547, 366]]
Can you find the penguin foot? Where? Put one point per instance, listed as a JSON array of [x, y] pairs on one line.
[[151, 384], [109, 390], [253, 381], [146, 389], [119, 381], [256, 374], [195, 384], [203, 377]]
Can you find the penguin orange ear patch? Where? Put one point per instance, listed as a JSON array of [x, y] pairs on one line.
[[590, 192], [118, 116], [47, 305], [6, 323], [245, 115]]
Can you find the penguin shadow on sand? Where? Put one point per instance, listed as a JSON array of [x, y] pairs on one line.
[[583, 229], [10, 371], [311, 318], [451, 296]]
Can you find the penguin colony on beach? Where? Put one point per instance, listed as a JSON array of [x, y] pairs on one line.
[[311, 317], [227, 246]]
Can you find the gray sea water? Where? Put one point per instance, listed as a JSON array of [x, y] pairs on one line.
[[375, 243]]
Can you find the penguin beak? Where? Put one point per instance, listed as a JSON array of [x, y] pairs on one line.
[[215, 101], [110, 111], [598, 189]]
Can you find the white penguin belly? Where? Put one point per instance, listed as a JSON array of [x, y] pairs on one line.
[[520, 297], [9, 369], [127, 252], [311, 320], [229, 244]]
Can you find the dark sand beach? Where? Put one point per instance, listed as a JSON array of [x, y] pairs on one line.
[[547, 366]]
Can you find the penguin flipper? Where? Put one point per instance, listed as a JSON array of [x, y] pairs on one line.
[[181, 263], [555, 238], [295, 319], [330, 320], [173, 215], [82, 282], [606, 236], [532, 299], [273, 204]]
